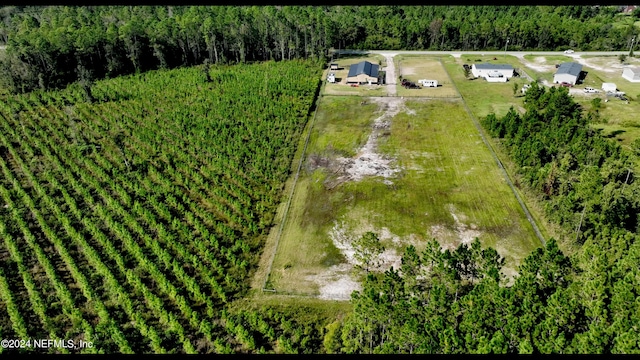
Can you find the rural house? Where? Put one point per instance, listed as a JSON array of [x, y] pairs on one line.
[[362, 73], [567, 73], [632, 74], [493, 72], [609, 87]]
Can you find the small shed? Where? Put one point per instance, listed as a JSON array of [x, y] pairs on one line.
[[362, 73], [609, 87], [503, 71], [632, 74], [333, 66], [331, 78], [568, 72]]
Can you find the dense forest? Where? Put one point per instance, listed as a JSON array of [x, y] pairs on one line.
[[49, 47]]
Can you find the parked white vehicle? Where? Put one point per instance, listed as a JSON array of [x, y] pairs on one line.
[[428, 83], [589, 89], [568, 51]]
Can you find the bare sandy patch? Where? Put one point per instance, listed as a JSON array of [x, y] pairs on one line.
[[463, 232], [338, 282], [611, 65], [368, 162]]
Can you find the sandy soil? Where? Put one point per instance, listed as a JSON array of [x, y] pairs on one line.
[[613, 64], [463, 233], [368, 162], [337, 282], [390, 71]]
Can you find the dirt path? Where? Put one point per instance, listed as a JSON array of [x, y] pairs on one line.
[[390, 75], [338, 282], [368, 162]]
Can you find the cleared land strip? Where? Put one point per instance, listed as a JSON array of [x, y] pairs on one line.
[[293, 187], [309, 255], [495, 157]]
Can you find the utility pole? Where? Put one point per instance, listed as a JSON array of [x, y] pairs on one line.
[[505, 48], [631, 47]]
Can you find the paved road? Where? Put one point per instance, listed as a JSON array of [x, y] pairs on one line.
[[458, 53]]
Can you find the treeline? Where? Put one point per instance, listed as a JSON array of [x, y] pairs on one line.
[[457, 301], [454, 302], [586, 181], [49, 47]]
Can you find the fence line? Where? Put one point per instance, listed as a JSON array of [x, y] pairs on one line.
[[293, 187], [495, 157]]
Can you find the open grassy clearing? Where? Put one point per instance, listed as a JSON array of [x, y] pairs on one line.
[[345, 125], [448, 188], [483, 97], [341, 87], [416, 67]]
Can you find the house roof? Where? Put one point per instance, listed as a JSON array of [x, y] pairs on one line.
[[363, 67], [635, 70], [493, 67], [570, 68]]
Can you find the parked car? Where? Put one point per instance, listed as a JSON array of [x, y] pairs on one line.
[[568, 51], [589, 89], [566, 84]]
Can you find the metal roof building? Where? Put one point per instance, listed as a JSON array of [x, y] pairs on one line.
[[632, 74], [363, 72], [492, 71], [568, 72]]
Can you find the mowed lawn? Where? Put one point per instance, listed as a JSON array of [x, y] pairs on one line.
[[449, 187], [416, 67], [482, 97]]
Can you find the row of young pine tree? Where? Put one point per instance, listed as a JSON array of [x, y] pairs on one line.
[[585, 302], [49, 47]]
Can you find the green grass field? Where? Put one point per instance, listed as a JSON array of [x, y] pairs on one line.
[[416, 67], [483, 97], [449, 187]]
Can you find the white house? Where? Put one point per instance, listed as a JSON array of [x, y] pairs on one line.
[[609, 87], [495, 71], [496, 76], [632, 74], [428, 83], [567, 73]]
